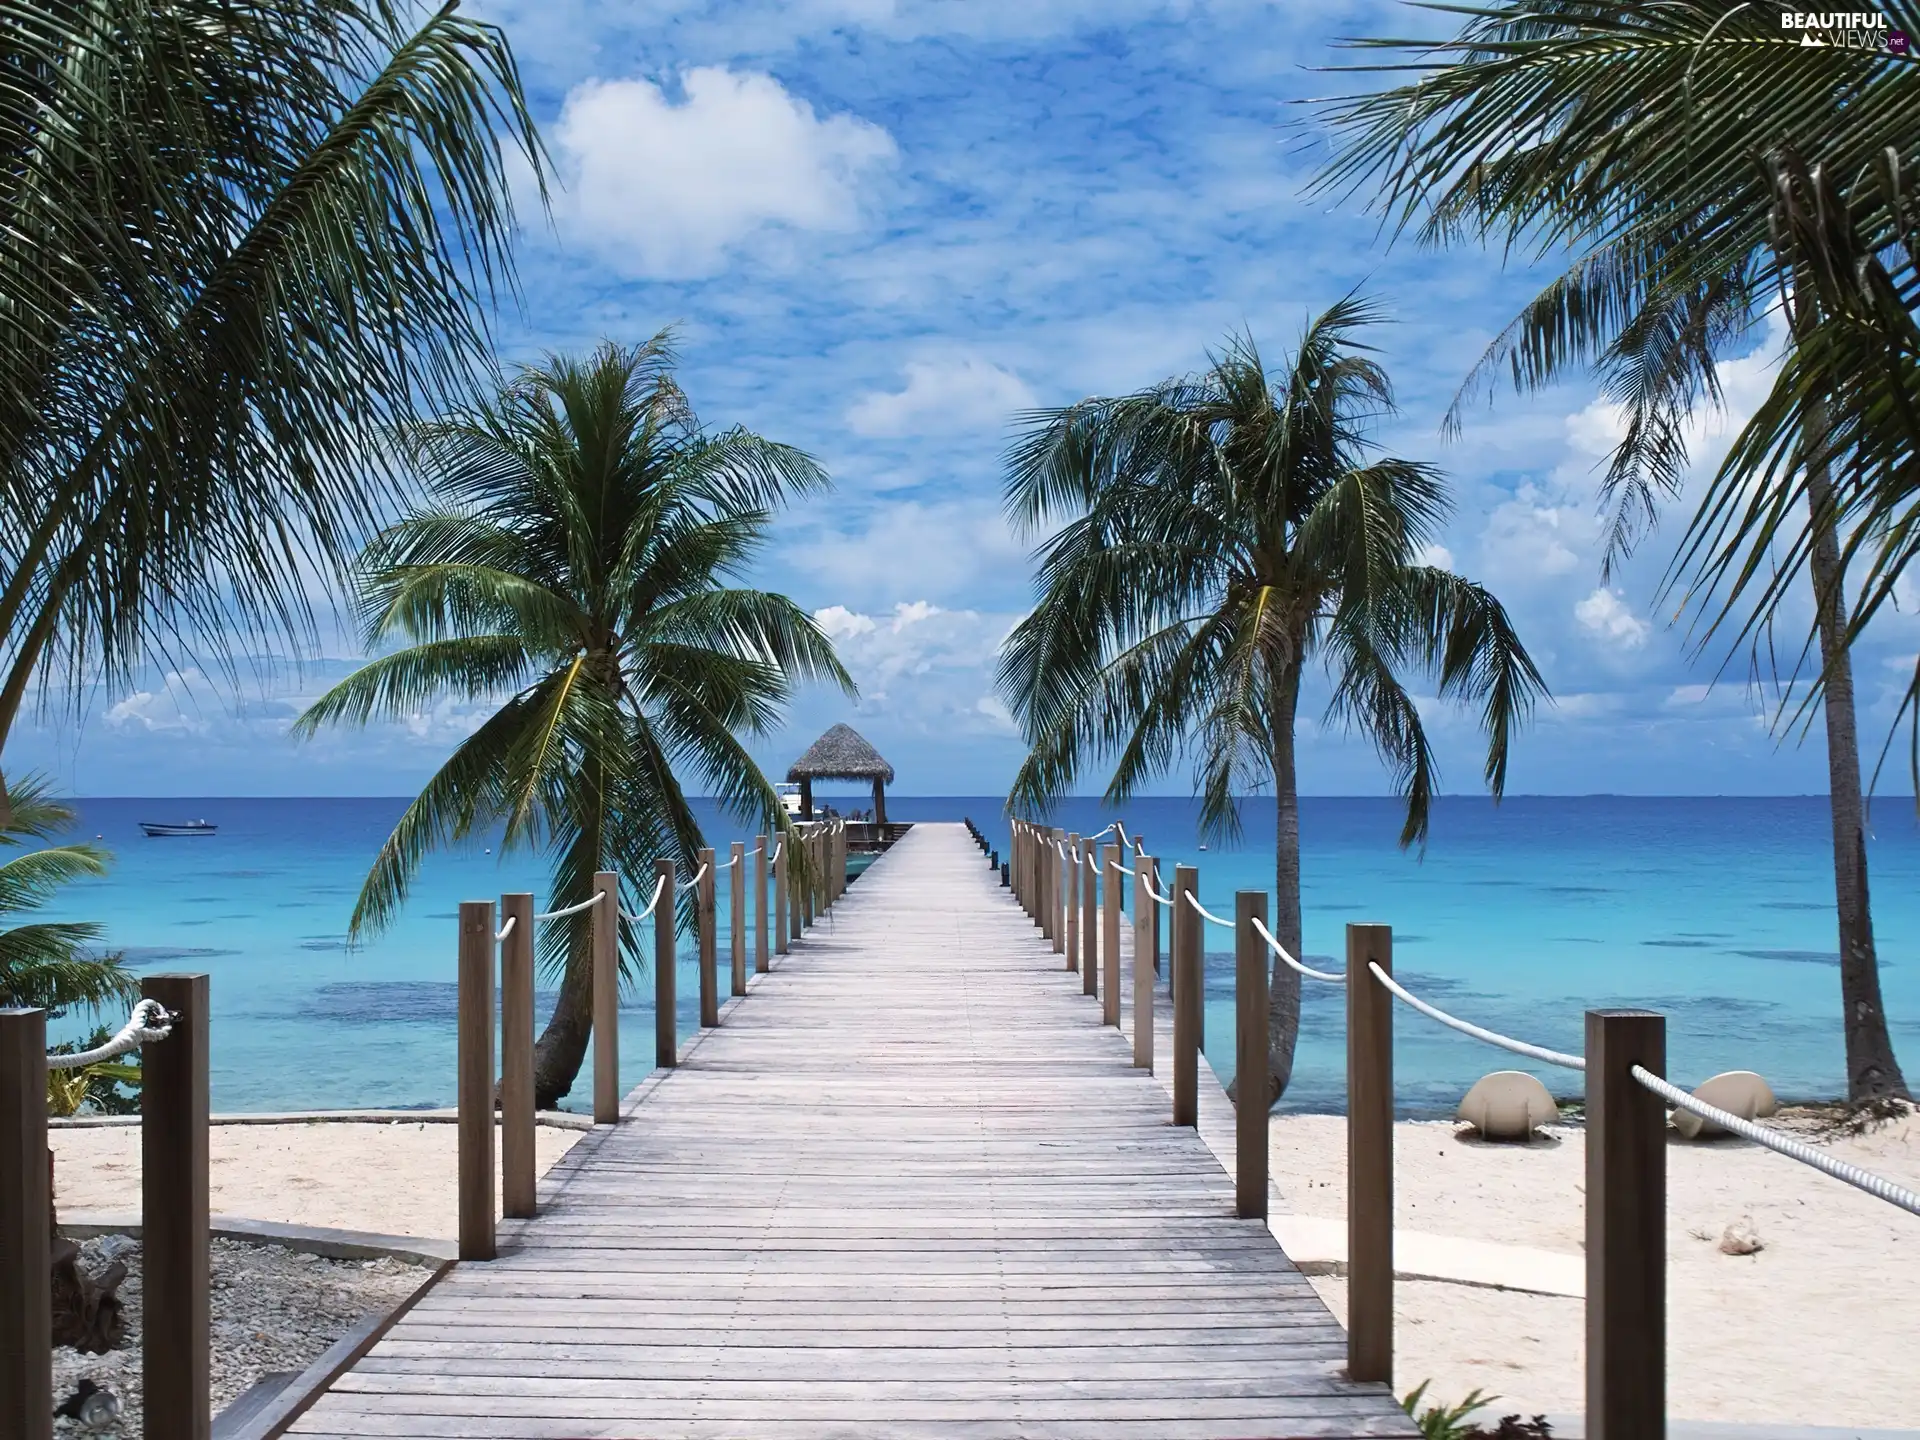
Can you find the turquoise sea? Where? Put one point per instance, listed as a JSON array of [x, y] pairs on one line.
[[1716, 911]]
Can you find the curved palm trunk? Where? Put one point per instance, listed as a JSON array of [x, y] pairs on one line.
[[1872, 1070], [1283, 1006], [562, 1047]]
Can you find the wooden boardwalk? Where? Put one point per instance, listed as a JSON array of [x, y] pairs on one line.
[[910, 1188]]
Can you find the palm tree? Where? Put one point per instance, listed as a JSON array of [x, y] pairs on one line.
[[241, 240], [51, 965], [575, 555], [1703, 163], [1217, 532]]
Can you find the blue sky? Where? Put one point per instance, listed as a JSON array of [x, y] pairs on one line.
[[881, 227]]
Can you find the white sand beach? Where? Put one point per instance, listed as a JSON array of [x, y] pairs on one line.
[[1820, 1327], [395, 1179]]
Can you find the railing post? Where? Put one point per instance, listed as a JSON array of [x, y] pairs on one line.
[[475, 1075], [1141, 858], [1054, 869], [1110, 935], [1626, 1228], [1022, 877], [26, 1226], [1043, 915], [1089, 926], [1369, 1155], [810, 882], [704, 940], [517, 1180], [1250, 1056], [781, 897], [1071, 867], [606, 999], [666, 926], [1146, 922], [761, 964], [176, 1338], [737, 914], [1189, 996]]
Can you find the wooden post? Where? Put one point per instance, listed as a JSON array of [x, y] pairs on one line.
[[1053, 872], [1037, 877], [1071, 868], [1146, 922], [1110, 935], [666, 1001], [780, 895], [606, 999], [1189, 986], [810, 884], [1250, 1056], [517, 1180], [176, 1264], [1089, 925], [704, 939], [1022, 865], [737, 914], [475, 1080], [26, 1230], [761, 962], [1153, 914], [1369, 1155], [1626, 1228]]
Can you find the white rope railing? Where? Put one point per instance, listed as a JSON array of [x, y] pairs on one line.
[[1281, 950], [507, 929], [777, 846], [698, 876], [1125, 869], [1876, 1185], [1491, 1037], [1194, 901], [1155, 895], [731, 862], [587, 904], [659, 888], [148, 1022]]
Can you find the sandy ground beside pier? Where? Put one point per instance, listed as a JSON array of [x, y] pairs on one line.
[[396, 1179], [1820, 1327]]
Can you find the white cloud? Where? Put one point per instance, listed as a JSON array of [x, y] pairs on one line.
[[1606, 615], [940, 550], [1535, 535], [942, 397], [1438, 556], [664, 186], [172, 707], [840, 623]]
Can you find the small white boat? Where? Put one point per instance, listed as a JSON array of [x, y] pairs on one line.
[[789, 794], [158, 828]]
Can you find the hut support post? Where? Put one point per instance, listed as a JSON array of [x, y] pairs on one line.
[[880, 803]]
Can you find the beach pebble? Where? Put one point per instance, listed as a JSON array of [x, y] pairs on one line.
[[1508, 1105], [1740, 1238], [274, 1311], [1738, 1092]]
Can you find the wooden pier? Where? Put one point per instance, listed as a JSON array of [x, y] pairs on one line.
[[910, 1187]]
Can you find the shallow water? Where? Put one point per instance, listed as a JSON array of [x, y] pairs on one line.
[[1716, 911]]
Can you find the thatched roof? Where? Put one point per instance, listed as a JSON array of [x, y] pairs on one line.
[[841, 754]]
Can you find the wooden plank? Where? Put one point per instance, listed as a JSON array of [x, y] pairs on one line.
[[915, 1188]]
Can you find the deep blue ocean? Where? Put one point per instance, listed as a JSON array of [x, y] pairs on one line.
[[1718, 912]]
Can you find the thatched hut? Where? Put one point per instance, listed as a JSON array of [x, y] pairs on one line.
[[842, 754]]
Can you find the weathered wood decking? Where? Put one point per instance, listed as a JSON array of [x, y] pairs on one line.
[[911, 1187]]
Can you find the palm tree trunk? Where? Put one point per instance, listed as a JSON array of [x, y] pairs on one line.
[[562, 1047], [1283, 1005], [1872, 1070]]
